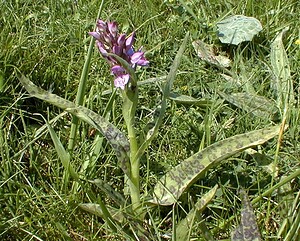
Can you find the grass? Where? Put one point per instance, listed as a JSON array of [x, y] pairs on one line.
[[48, 41]]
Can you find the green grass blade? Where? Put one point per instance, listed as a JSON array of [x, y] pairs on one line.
[[248, 229], [82, 85], [185, 226], [294, 220], [64, 156], [113, 135], [282, 84], [173, 183]]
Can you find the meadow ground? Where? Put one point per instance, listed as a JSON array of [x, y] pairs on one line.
[[48, 42]]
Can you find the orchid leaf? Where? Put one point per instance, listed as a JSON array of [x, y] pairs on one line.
[[113, 135], [248, 229], [188, 100], [185, 226], [260, 106], [238, 28], [112, 193], [170, 187], [95, 209], [282, 83], [120, 217]]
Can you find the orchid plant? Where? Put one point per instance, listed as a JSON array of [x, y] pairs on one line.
[[119, 51]]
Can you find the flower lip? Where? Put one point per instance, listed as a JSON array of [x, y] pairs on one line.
[[139, 59], [121, 81]]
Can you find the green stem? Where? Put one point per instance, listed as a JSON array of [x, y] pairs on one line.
[[81, 88], [130, 98]]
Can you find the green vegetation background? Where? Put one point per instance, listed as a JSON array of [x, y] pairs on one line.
[[48, 40]]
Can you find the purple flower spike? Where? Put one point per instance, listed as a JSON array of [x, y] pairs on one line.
[[108, 40]]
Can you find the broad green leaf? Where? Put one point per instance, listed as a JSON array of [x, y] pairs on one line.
[[62, 153], [206, 52], [173, 183], [185, 226], [113, 135], [238, 28], [188, 100], [282, 83], [252, 103], [248, 229]]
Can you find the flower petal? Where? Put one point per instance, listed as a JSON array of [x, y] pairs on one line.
[[139, 59], [121, 40], [117, 70], [130, 41], [121, 81], [113, 28], [95, 35], [101, 25], [136, 57], [117, 50], [101, 48]]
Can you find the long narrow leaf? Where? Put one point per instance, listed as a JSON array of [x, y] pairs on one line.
[[248, 229], [113, 135], [186, 224], [173, 183], [82, 85], [62, 153], [282, 84], [112, 193]]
